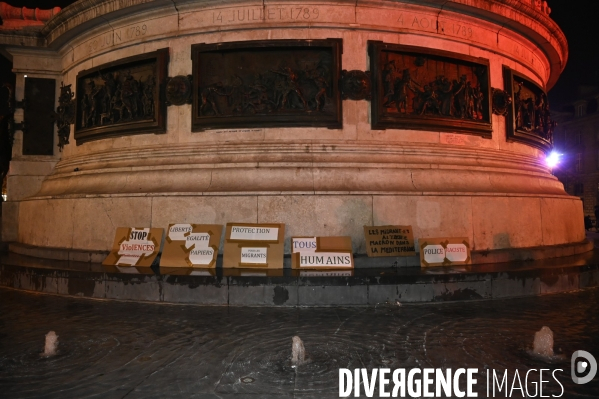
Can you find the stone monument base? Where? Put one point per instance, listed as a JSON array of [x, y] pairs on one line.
[[492, 223]]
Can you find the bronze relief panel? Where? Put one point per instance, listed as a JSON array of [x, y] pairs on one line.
[[122, 97], [424, 89], [528, 119], [274, 83]]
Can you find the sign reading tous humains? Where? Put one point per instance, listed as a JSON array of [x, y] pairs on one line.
[[134, 247], [191, 245], [444, 251], [254, 245], [389, 241], [321, 253]]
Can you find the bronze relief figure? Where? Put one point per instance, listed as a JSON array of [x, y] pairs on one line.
[[266, 84]]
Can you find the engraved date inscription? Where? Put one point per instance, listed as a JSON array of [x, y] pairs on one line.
[[135, 31], [117, 36], [428, 23], [267, 14], [455, 29]]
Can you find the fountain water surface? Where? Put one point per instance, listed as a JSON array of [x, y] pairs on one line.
[[238, 352]]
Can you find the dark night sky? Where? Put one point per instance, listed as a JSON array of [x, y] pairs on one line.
[[578, 22]]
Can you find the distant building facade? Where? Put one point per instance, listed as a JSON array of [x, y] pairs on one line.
[[577, 139]]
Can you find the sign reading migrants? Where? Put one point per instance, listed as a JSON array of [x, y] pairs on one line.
[[254, 245]]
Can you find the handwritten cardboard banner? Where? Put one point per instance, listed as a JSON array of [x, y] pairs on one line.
[[444, 251], [134, 247], [321, 253], [254, 245], [389, 241], [191, 245]]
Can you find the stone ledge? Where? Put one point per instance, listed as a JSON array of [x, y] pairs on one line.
[[531, 253], [367, 287], [58, 253]]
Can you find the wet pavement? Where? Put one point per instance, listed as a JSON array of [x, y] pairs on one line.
[[110, 349]]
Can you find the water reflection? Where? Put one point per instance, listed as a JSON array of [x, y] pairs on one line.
[[117, 349]]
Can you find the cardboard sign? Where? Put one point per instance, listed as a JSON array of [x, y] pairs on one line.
[[134, 247], [321, 253], [389, 241], [254, 245], [444, 251], [191, 245]]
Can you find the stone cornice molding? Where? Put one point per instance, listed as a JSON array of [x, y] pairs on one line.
[[513, 15], [304, 166], [28, 37], [523, 18]]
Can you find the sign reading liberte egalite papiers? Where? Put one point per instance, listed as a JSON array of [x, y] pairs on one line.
[[321, 253], [389, 241], [254, 245], [191, 245], [445, 251], [134, 247]]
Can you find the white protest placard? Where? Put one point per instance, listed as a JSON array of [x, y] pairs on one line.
[[254, 255], [322, 253], [444, 251], [254, 233], [134, 247], [303, 244], [254, 245], [191, 245], [325, 260], [177, 232]]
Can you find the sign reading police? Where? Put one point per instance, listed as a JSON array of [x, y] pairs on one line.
[[444, 251]]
